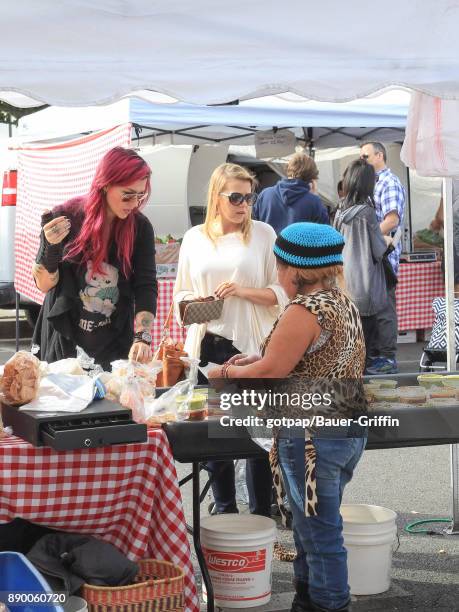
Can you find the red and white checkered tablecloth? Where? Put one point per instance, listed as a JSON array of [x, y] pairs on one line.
[[126, 494], [418, 285], [165, 292]]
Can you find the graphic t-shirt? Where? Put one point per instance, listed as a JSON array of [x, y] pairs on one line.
[[99, 295]]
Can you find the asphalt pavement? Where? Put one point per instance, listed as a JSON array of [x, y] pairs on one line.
[[414, 482]]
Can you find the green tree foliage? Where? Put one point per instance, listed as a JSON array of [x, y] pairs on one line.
[[12, 114]]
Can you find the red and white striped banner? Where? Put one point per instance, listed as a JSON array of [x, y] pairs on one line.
[[48, 176]]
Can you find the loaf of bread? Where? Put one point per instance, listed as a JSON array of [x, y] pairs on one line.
[[21, 378]]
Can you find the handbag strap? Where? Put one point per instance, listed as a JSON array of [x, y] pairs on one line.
[[167, 323]]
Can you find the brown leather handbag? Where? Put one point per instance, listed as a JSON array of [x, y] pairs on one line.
[[169, 352], [200, 310]]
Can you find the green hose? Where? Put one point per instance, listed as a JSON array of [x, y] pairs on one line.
[[410, 527]]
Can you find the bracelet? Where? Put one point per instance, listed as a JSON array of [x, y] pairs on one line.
[[225, 369]]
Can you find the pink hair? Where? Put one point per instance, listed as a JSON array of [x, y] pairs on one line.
[[117, 167]]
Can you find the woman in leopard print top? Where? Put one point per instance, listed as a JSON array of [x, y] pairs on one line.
[[318, 338]]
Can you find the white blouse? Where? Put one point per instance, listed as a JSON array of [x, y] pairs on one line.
[[203, 266]]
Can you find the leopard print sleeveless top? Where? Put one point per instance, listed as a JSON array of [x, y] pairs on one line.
[[340, 350], [338, 353]]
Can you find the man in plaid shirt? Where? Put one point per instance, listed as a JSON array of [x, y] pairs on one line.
[[389, 197]]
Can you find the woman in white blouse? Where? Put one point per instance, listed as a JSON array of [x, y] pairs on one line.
[[231, 256]]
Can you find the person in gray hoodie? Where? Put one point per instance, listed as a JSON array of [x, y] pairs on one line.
[[291, 199], [364, 245]]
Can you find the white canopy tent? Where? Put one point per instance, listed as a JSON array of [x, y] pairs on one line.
[[315, 125], [79, 52], [319, 124]]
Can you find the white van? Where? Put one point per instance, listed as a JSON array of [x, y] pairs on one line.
[[179, 179]]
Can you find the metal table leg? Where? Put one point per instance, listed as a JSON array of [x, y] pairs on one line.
[[197, 537]]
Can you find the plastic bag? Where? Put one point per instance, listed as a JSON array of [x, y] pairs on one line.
[[166, 407], [242, 494], [114, 386], [44, 369], [131, 397], [70, 366], [183, 401], [87, 363], [21, 378], [145, 374], [63, 393], [148, 371], [75, 366]]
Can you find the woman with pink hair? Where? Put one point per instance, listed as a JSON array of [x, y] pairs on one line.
[[96, 264]]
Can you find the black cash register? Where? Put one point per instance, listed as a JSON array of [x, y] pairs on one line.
[[102, 423]]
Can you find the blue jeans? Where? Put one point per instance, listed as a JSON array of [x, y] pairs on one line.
[[321, 556]]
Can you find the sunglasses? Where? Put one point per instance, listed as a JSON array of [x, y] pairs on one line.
[[236, 199], [365, 157], [129, 197]]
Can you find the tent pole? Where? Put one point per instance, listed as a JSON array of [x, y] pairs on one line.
[[16, 294], [17, 320], [450, 334], [410, 222], [449, 271], [453, 529]]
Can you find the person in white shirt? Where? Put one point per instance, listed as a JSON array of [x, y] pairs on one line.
[[231, 256]]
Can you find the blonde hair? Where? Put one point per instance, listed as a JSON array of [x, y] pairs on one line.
[[329, 276], [218, 180], [303, 167]]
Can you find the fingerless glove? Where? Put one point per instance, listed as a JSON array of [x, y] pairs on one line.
[[49, 255]]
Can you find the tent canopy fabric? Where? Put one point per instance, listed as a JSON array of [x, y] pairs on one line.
[[382, 118], [81, 52]]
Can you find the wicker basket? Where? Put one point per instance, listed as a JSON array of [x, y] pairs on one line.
[[159, 587]]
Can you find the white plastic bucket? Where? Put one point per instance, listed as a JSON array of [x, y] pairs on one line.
[[239, 550], [369, 533], [75, 604]]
